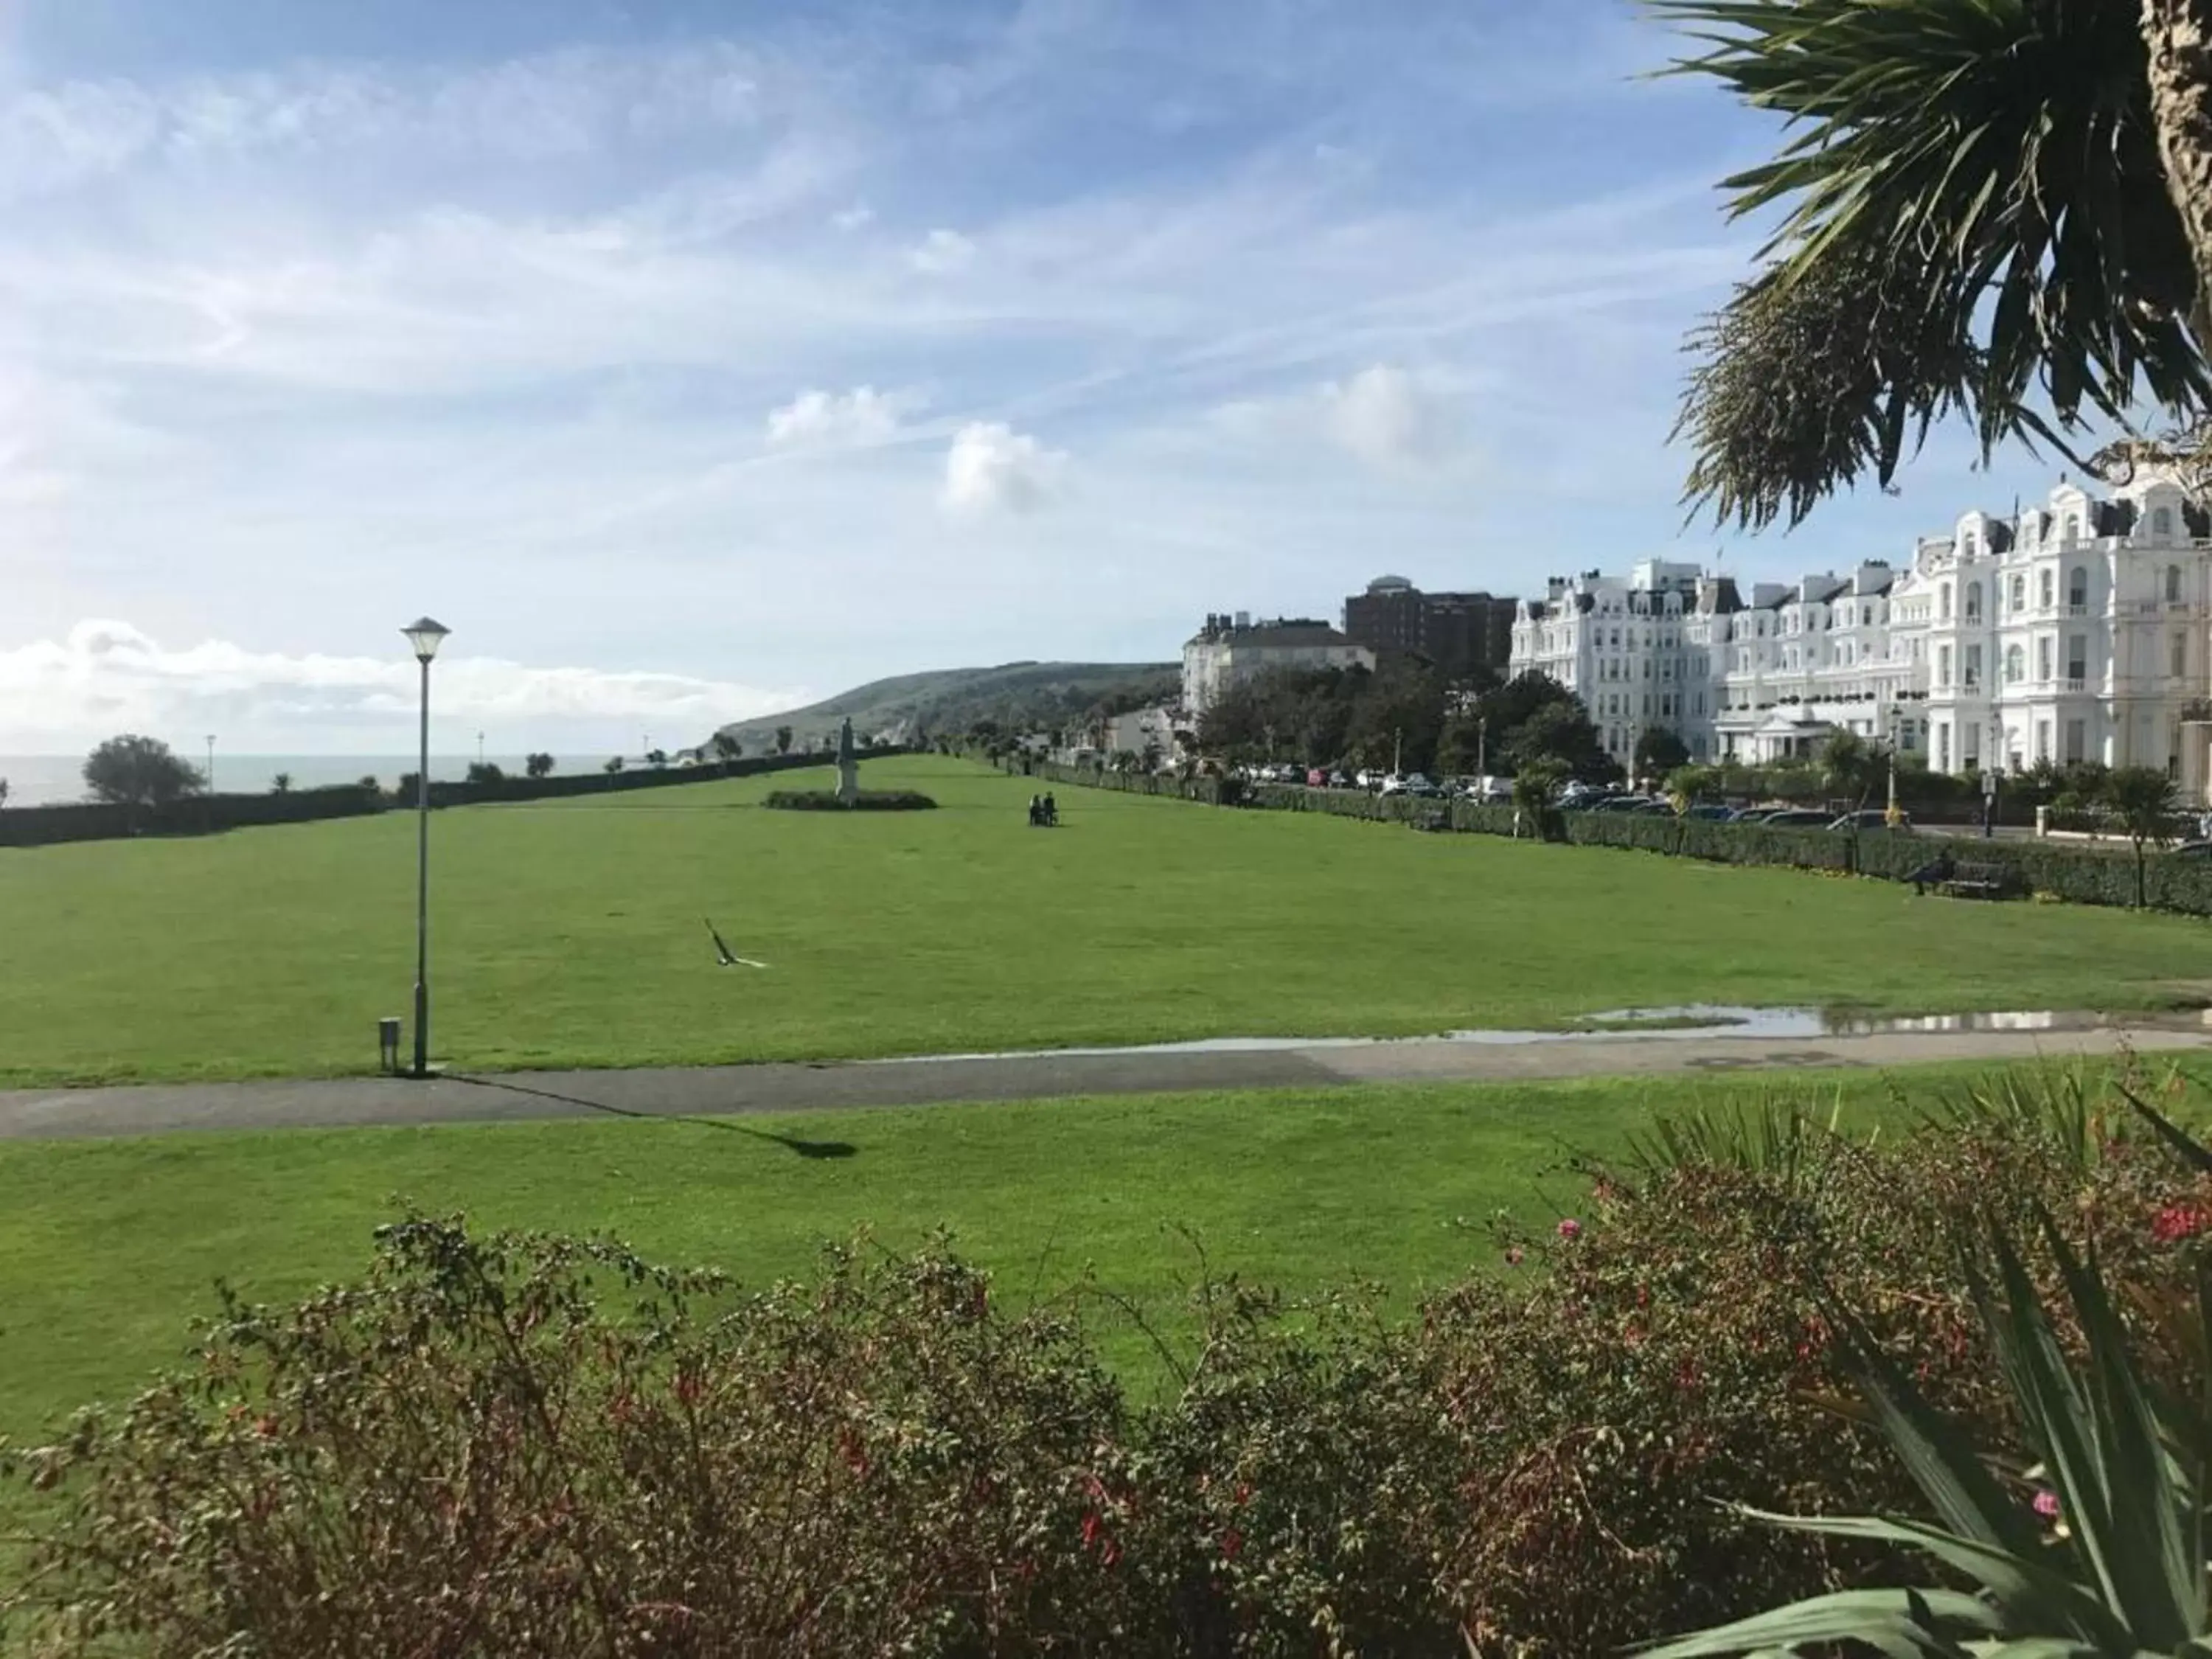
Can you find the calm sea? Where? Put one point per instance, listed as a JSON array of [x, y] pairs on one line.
[[41, 779]]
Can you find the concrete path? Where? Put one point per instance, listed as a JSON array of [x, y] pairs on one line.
[[718, 1091]]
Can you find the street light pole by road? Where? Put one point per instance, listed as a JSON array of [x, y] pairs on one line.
[[211, 771], [425, 635]]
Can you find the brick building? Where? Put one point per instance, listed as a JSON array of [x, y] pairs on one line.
[[1464, 634]]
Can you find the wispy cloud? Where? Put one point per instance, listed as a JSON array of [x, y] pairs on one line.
[[104, 677], [942, 252]]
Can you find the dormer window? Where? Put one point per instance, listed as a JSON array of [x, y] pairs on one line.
[[2162, 521]]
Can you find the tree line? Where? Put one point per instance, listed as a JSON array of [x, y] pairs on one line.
[[1405, 715]]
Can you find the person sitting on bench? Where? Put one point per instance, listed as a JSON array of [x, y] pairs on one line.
[[1927, 875], [1037, 810], [1051, 809]]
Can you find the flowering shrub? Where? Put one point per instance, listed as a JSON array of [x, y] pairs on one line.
[[516, 1445]]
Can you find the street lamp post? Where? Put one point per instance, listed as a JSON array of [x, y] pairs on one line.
[[1891, 816], [1990, 786], [425, 635], [1482, 746], [211, 771]]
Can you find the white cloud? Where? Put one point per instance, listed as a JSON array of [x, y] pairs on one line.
[[106, 676], [942, 252], [828, 420], [991, 468], [855, 217], [1386, 417]]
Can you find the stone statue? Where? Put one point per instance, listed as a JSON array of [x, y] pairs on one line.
[[848, 767]]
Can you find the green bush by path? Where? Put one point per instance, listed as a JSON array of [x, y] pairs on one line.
[[502, 1444], [568, 934], [863, 800]]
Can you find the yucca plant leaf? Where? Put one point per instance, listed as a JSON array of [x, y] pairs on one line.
[[2120, 1491], [2148, 1503], [2030, 1594], [1907, 1623], [2192, 1151]]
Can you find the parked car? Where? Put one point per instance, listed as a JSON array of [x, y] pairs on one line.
[[1798, 818], [1751, 814], [1620, 803], [1316, 778], [1872, 817], [1338, 780], [1657, 809], [1711, 813], [2192, 849], [1393, 784]]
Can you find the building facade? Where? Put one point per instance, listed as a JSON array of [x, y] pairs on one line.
[[1466, 635], [2073, 631], [1229, 650]]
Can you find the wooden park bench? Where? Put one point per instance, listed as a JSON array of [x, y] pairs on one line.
[[1957, 879]]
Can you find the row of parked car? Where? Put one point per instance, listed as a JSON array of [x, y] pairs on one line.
[[1576, 797]]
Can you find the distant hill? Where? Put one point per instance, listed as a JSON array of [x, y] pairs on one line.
[[912, 707]]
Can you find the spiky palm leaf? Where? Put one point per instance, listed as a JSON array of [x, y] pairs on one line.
[[2129, 1577], [1975, 218]]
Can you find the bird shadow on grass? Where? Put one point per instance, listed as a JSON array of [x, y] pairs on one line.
[[809, 1149]]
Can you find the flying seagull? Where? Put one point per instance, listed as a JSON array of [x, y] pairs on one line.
[[722, 952]]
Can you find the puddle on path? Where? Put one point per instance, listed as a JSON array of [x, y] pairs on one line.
[[1690, 1020]]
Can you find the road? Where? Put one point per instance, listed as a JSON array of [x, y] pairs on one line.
[[699, 1091]]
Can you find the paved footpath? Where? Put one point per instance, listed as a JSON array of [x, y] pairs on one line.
[[718, 1091]]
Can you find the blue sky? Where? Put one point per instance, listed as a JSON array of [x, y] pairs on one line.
[[689, 359]]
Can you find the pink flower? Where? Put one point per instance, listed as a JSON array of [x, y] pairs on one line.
[[2176, 1222], [2047, 1505], [1513, 1256], [1571, 1228]]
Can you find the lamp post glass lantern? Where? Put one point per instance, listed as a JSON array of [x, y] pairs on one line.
[[425, 635]]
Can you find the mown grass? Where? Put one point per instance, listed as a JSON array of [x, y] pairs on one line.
[[570, 934], [109, 1248]]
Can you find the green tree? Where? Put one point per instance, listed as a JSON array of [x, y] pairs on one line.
[[281, 784], [485, 772], [540, 765], [783, 739], [613, 765], [1996, 209], [1659, 752], [1561, 732], [656, 758], [137, 771], [1852, 767], [3, 791], [2141, 800]]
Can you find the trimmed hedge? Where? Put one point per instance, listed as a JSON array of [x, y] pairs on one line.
[[868, 800], [200, 815], [2098, 874]]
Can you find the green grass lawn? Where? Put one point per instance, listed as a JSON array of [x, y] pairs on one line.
[[569, 933], [109, 1249]]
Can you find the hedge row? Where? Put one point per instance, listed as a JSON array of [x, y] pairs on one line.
[[2099, 874], [199, 815], [866, 801]]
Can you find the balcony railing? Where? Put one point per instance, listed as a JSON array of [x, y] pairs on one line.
[[2074, 683]]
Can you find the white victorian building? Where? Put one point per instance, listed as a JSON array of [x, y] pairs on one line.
[[1229, 650], [2076, 630]]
